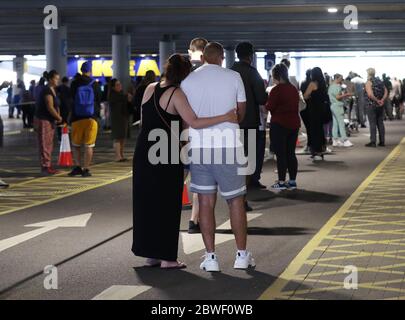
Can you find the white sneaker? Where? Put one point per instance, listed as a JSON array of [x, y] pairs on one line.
[[347, 144], [337, 143], [244, 262], [210, 263]]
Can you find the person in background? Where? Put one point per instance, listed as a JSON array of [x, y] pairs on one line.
[[105, 106], [376, 95], [293, 80], [150, 77], [86, 97], [196, 52], [31, 88], [255, 97], [304, 113], [157, 222], [360, 102], [403, 97], [66, 102], [336, 97], [283, 104], [40, 86], [395, 97], [387, 104], [10, 101], [119, 106], [4, 85], [18, 90], [46, 118], [316, 96], [28, 109]]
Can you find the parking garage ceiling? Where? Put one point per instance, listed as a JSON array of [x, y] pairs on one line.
[[271, 25]]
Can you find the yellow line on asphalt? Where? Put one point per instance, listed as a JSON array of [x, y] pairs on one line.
[[275, 290], [103, 174]]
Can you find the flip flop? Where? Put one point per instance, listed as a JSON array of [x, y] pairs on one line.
[[179, 266], [152, 263]]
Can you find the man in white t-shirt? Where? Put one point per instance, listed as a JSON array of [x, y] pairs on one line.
[[212, 90]]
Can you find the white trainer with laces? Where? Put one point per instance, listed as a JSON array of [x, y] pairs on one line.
[[347, 144], [337, 143], [210, 263], [244, 262]]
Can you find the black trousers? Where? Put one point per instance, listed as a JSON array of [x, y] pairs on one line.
[[284, 142], [28, 115], [305, 119]]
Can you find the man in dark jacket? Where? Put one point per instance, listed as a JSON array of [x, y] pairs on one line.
[[256, 96]]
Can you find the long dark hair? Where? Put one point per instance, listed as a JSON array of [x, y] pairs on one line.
[[177, 68], [111, 85], [280, 73], [318, 76]]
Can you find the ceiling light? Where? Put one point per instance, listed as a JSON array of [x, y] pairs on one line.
[[77, 56], [369, 31], [333, 10], [97, 56], [354, 23]]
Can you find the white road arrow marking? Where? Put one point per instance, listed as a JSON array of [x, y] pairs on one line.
[[194, 243], [79, 221], [121, 292]]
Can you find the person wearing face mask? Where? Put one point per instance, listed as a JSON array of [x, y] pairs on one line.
[[336, 97]]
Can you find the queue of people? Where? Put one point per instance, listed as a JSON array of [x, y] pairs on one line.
[[211, 99], [198, 94]]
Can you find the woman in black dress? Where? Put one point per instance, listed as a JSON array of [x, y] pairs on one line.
[[119, 105], [317, 97], [158, 187]]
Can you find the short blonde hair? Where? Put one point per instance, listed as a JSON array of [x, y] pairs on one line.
[[371, 73]]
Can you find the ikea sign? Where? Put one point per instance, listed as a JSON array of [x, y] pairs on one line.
[[103, 67]]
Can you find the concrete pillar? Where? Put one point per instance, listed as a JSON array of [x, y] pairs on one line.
[[229, 57], [121, 55], [167, 46], [56, 50], [19, 67]]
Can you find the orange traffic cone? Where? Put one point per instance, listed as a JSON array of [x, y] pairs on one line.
[[186, 200], [65, 154]]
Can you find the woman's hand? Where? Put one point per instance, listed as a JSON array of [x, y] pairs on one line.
[[232, 116], [59, 120]]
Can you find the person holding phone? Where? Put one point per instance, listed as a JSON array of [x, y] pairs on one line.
[[47, 116]]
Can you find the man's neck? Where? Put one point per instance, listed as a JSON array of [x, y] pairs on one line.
[[196, 56]]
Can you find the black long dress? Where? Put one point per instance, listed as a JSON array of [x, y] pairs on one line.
[[157, 189], [316, 112]]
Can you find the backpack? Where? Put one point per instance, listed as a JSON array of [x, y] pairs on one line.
[[84, 101]]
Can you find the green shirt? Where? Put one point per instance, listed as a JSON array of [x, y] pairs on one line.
[[334, 91]]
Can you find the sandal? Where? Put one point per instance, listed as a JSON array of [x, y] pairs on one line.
[[152, 263], [178, 266]]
